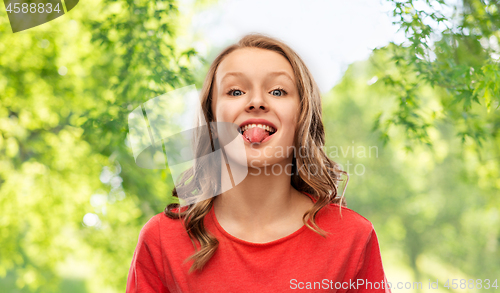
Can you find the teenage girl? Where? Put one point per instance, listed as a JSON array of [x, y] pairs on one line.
[[284, 227]]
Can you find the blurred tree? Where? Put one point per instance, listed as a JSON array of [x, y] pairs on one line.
[[67, 88], [424, 204], [454, 48]]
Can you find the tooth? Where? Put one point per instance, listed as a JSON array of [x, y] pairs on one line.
[[253, 125], [260, 126]]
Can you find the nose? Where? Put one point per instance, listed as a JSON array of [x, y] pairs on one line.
[[257, 103]]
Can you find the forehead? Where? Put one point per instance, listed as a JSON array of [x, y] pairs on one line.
[[254, 62]]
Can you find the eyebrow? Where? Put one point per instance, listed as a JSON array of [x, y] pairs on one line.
[[274, 73]]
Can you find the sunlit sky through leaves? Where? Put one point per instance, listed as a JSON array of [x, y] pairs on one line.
[[327, 34]]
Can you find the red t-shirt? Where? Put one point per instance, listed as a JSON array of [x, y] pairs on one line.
[[347, 260]]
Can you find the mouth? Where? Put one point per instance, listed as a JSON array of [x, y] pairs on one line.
[[257, 132]]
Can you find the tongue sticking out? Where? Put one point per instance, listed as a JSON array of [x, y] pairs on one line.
[[256, 134]]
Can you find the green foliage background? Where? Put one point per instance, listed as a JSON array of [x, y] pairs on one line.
[[424, 112]]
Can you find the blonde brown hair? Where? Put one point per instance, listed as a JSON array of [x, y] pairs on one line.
[[309, 134]]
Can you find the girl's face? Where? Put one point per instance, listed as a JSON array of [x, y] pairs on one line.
[[257, 86]]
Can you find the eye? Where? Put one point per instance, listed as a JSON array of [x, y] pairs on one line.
[[279, 91], [236, 92]]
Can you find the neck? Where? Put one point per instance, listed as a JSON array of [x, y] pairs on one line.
[[263, 197]]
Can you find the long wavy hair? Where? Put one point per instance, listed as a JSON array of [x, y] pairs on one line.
[[309, 135]]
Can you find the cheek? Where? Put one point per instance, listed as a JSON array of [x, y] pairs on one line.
[[291, 117], [228, 110], [218, 109], [221, 112]]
